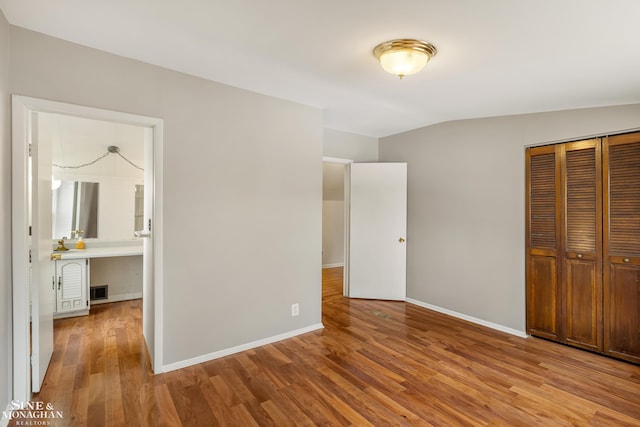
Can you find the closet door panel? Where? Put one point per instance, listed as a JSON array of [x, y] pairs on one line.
[[542, 222], [542, 294], [582, 310], [582, 244], [623, 312], [622, 247]]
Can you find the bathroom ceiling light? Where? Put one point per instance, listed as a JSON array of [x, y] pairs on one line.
[[404, 56]]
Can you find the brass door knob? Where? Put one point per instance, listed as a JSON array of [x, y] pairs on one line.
[[626, 260], [579, 256], [401, 240]]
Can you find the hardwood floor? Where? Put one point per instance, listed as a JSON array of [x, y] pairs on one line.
[[375, 363]]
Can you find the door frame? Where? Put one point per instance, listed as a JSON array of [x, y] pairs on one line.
[[22, 109], [347, 224]]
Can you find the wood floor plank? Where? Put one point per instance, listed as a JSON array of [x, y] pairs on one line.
[[376, 363], [168, 414], [277, 414]]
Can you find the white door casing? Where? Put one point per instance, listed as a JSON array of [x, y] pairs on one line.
[[20, 242], [378, 227], [148, 324]]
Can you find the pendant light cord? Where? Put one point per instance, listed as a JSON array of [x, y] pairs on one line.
[[110, 150]]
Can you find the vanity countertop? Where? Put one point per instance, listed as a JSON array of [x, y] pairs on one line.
[[100, 252]]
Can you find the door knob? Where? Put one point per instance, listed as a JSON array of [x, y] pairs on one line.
[[626, 260], [401, 240], [579, 256]]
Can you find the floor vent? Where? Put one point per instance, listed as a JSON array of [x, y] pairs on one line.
[[381, 314], [99, 292]]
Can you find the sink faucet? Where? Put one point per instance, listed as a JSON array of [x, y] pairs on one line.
[[61, 246]]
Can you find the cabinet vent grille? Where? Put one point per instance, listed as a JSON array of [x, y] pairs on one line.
[[99, 292]]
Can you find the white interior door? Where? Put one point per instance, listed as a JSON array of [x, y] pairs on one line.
[[377, 231], [42, 282]]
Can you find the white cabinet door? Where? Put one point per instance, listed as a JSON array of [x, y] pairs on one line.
[[71, 285], [378, 227]]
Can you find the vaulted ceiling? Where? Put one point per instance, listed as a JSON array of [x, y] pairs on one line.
[[495, 57]]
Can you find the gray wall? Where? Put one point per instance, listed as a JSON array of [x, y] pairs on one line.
[[465, 244], [345, 145], [123, 275], [5, 219], [332, 214], [242, 180]]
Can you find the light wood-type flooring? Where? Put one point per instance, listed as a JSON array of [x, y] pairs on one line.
[[375, 363]]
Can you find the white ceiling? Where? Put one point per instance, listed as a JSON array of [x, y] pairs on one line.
[[495, 57]]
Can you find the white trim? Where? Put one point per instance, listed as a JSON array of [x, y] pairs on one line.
[[239, 348], [337, 264], [511, 331], [20, 250], [117, 298], [336, 160], [22, 107], [66, 314], [158, 239], [346, 272]]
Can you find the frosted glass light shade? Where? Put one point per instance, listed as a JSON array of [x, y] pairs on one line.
[[403, 62], [404, 56]]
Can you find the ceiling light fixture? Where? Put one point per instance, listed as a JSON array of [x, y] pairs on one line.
[[404, 56]]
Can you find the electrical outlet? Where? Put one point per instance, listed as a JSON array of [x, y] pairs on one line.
[[295, 309]]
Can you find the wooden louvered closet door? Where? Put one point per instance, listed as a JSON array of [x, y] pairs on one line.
[[581, 232], [583, 244], [622, 247], [564, 243], [542, 242]]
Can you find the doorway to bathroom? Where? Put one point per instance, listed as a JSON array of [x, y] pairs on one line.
[[55, 146]]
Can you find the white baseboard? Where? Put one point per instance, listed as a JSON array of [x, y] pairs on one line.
[[238, 349], [66, 314], [116, 298], [521, 334], [338, 264]]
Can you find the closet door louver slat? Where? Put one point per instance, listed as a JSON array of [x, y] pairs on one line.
[[543, 201], [624, 200]]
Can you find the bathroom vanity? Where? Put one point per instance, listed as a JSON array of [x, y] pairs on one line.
[[72, 276]]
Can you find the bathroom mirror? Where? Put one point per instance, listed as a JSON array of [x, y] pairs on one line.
[[138, 215], [75, 207]]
